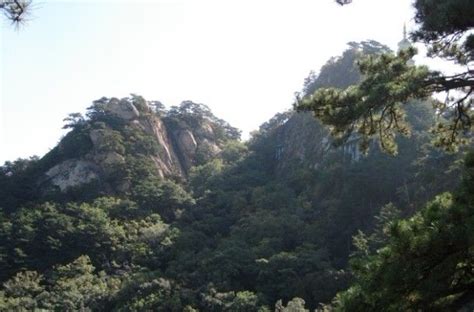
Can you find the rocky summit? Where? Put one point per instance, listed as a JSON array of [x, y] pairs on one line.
[[115, 129]]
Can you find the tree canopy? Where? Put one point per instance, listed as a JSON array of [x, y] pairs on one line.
[[375, 107], [424, 263], [283, 221]]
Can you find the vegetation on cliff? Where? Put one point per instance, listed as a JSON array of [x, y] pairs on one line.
[[140, 208], [157, 225]]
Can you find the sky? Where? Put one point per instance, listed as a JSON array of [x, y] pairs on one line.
[[245, 59]]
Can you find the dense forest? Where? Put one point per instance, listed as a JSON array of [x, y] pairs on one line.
[[144, 208]]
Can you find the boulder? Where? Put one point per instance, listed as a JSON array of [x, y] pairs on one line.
[[122, 109]]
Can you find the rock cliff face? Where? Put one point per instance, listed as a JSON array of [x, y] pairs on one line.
[[71, 173], [299, 139], [119, 130], [302, 139]]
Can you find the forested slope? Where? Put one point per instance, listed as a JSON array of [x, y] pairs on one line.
[[142, 208]]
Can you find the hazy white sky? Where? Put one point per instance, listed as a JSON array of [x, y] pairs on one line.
[[243, 58]]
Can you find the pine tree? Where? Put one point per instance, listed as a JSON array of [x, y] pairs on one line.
[[375, 107]]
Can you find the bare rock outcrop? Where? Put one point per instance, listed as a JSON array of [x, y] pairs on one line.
[[302, 139], [72, 173], [122, 109], [166, 161], [177, 142], [186, 147]]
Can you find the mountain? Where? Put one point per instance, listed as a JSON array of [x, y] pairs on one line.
[[140, 208], [172, 141], [119, 143]]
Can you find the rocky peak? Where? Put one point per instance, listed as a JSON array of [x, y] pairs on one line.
[[120, 131]]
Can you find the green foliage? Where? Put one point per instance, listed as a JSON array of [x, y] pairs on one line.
[[192, 115], [342, 72], [74, 120], [20, 291], [111, 141], [253, 223], [39, 237], [276, 121], [373, 108], [139, 102], [295, 305], [148, 292], [17, 183], [139, 142], [233, 151], [442, 24], [252, 232], [426, 262], [242, 301], [201, 177], [161, 196], [72, 287]]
